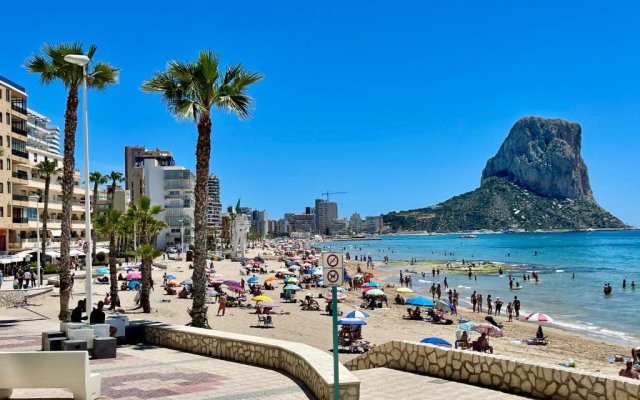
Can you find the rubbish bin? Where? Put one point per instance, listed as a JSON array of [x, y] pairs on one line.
[[190, 255]]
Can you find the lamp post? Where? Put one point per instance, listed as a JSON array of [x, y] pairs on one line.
[[37, 200], [82, 60]]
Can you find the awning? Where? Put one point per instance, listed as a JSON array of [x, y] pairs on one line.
[[55, 232]]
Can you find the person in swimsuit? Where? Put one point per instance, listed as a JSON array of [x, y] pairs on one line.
[[629, 372]]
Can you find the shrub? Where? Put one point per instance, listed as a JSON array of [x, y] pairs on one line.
[[101, 257], [50, 268]]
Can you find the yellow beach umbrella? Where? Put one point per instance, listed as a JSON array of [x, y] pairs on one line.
[[262, 298], [404, 290], [271, 278]]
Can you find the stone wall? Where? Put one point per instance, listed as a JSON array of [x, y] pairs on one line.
[[310, 365], [543, 381]]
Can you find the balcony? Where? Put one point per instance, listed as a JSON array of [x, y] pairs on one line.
[[19, 127], [20, 197], [21, 220], [19, 153], [21, 176], [19, 105]]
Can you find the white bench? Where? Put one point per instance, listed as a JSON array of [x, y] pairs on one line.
[[42, 370]]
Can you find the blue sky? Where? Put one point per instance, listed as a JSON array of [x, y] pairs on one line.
[[399, 104]]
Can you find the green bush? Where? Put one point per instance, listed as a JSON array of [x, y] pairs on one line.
[[101, 257], [50, 268]]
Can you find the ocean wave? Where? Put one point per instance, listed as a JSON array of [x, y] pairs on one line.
[[559, 270]]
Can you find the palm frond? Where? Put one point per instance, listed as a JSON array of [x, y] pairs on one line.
[[102, 75]]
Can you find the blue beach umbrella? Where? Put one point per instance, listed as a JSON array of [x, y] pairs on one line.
[[102, 271], [171, 277], [420, 301], [467, 326], [436, 341], [351, 321], [357, 314], [253, 279], [292, 287], [371, 284]]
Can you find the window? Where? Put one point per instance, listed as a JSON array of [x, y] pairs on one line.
[[0, 117], [8, 141], [8, 187], [1, 188], [0, 94], [8, 95], [1, 212], [0, 136], [8, 118], [8, 164], [1, 164]]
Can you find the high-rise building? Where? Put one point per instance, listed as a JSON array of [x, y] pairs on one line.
[[25, 144], [373, 224], [214, 206], [260, 222], [355, 223], [326, 213], [42, 135], [171, 187], [134, 158]]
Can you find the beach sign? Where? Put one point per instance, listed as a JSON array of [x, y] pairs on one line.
[[333, 271]]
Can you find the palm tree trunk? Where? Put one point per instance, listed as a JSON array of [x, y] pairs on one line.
[[198, 310], [45, 217], [70, 126], [93, 231], [113, 278], [145, 290]]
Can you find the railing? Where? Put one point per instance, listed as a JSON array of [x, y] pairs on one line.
[[22, 175], [19, 129], [20, 197], [21, 220], [19, 105], [19, 153]]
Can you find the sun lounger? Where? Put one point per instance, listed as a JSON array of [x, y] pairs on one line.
[[537, 341]]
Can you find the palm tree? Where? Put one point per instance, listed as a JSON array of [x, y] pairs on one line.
[[115, 177], [45, 169], [190, 90], [143, 213], [50, 65], [98, 179], [108, 224]]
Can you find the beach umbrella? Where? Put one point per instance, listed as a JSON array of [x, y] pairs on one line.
[[365, 290], [294, 267], [236, 289], [253, 279], [436, 341], [489, 329], [187, 282], [320, 283], [443, 305], [420, 301], [467, 326], [538, 317], [102, 271], [347, 277], [271, 278], [292, 287], [374, 292], [214, 276], [351, 321], [357, 314], [262, 298], [76, 253], [291, 280], [134, 275], [404, 290], [268, 304], [317, 272], [231, 282], [170, 276], [173, 283], [371, 284], [329, 296], [341, 289]]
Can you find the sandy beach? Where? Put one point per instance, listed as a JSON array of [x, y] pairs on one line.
[[314, 328]]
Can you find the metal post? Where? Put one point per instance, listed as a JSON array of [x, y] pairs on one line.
[[181, 238], [87, 204], [334, 315], [38, 239]]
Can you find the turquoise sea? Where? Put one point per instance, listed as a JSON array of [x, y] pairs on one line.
[[577, 304]]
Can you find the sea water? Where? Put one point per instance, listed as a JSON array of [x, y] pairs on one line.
[[576, 303]]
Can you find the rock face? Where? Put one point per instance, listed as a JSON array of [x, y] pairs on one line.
[[543, 156], [536, 181]]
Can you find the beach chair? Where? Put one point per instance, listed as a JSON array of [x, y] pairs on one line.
[[268, 321], [262, 320]]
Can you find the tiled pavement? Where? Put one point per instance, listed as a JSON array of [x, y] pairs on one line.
[[149, 372]]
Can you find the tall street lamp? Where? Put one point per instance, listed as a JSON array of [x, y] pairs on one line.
[[36, 198], [82, 60]]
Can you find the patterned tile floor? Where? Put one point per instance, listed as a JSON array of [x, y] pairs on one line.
[[149, 372]]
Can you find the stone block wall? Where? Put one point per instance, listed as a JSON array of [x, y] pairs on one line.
[[310, 365], [543, 381]]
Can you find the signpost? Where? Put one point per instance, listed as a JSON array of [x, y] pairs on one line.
[[333, 275]]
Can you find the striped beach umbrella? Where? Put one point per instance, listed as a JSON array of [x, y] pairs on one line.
[[538, 317]]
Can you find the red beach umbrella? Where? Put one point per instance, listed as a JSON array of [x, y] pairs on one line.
[[538, 317]]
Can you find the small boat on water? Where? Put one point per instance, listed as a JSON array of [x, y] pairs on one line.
[[468, 236]]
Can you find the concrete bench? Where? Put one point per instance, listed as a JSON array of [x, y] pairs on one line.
[[42, 370]]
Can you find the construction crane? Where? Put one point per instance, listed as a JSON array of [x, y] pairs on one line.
[[327, 193]]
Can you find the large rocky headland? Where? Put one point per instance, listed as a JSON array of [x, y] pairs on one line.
[[536, 181]]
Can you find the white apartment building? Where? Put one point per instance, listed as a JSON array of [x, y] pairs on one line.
[[172, 188]]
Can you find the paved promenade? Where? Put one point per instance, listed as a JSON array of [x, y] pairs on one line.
[[149, 372]]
